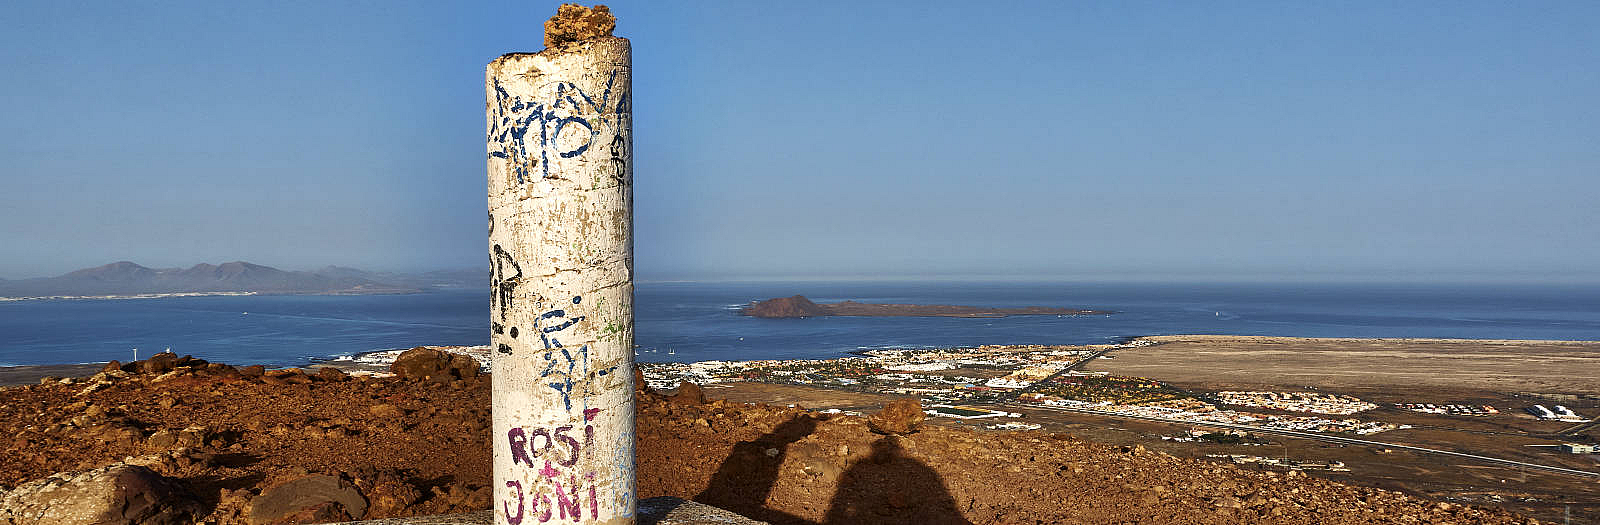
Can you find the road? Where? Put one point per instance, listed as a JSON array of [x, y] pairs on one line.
[[1579, 428], [1320, 437]]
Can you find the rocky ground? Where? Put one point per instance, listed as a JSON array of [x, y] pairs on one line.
[[219, 444]]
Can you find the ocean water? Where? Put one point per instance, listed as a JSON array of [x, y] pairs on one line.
[[700, 321]]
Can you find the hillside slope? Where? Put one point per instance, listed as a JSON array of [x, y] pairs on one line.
[[421, 447]]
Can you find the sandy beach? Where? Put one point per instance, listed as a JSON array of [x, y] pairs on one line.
[[30, 375]]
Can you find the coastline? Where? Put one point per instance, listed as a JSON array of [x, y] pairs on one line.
[[369, 362], [378, 360], [31, 374], [165, 295], [123, 297]]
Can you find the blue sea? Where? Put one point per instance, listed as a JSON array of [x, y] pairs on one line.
[[700, 321]]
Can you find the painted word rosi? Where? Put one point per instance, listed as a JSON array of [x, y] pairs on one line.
[[553, 454]]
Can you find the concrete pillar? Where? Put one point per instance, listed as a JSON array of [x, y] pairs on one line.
[[560, 142]]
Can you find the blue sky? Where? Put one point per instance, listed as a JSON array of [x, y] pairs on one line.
[[1073, 140]]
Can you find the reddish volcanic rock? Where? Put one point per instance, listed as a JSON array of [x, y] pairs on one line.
[[252, 452], [423, 363], [797, 306], [902, 416]]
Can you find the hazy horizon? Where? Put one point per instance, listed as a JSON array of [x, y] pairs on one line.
[[1243, 277], [1120, 141]]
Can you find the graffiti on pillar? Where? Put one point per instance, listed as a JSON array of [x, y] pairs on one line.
[[545, 131], [566, 369], [505, 275], [619, 159], [567, 124], [562, 487]]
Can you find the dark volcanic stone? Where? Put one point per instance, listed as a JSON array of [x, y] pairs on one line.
[[429, 364], [328, 373], [159, 364], [689, 393]]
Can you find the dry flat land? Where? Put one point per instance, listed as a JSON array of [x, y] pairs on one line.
[[1458, 364]]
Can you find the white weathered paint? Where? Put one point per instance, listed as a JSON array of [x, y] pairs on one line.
[[560, 169]]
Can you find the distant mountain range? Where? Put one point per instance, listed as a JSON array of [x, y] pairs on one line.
[[127, 278]]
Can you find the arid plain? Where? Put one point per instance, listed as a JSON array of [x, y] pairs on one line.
[[1382, 364]]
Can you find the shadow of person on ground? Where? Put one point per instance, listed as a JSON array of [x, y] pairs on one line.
[[890, 487], [747, 477]]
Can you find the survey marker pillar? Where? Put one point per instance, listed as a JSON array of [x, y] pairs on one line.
[[560, 166]]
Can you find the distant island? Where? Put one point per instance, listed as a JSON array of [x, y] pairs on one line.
[[798, 306], [128, 280]]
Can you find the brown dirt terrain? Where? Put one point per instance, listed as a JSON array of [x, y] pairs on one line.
[[420, 446]]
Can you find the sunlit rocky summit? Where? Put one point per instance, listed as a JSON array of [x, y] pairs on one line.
[[174, 440]]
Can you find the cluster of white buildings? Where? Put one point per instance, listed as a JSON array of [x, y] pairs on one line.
[[932, 366], [1308, 402], [1291, 464], [1195, 434], [1450, 409], [1013, 425], [666, 376], [1029, 375], [896, 370], [1561, 413], [965, 412], [1196, 412]]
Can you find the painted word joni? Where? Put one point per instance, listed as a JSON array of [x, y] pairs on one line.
[[558, 451], [514, 119]]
